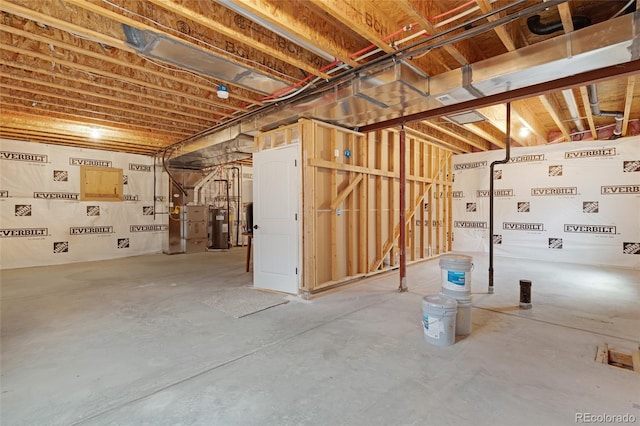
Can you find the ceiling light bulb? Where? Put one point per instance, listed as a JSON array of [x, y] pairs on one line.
[[524, 132], [94, 133], [223, 92]]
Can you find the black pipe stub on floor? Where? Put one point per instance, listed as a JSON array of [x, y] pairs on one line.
[[525, 294]]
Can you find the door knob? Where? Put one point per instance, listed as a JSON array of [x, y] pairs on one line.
[[255, 226]]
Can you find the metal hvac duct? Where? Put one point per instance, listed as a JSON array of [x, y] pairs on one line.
[[215, 152], [399, 89], [195, 58], [396, 90]]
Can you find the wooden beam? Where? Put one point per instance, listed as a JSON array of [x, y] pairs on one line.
[[316, 162], [302, 21], [418, 13], [46, 19], [631, 82], [75, 142], [503, 34], [213, 24], [92, 69], [131, 62], [363, 217], [131, 109], [396, 231], [379, 140], [52, 109], [587, 109], [520, 110], [433, 136], [75, 83], [27, 122], [207, 14], [487, 133], [346, 191], [309, 218], [362, 17], [333, 191], [450, 130], [552, 107], [565, 16]]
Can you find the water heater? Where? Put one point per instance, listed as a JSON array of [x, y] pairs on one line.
[[218, 228]]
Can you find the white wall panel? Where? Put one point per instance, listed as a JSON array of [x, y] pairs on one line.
[[573, 202], [43, 222]]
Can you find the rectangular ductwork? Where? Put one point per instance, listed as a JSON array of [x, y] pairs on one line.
[[197, 59], [398, 89], [217, 152]]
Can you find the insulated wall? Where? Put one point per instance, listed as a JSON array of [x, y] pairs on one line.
[[573, 202], [43, 221]]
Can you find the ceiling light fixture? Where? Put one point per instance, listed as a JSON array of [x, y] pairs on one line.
[[223, 91], [524, 132], [94, 133]]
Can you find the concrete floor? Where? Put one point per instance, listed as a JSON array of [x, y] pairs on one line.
[[131, 342]]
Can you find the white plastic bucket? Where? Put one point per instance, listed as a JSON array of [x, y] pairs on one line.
[[456, 274], [439, 319], [463, 317]]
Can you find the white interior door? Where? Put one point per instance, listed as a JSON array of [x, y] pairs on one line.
[[276, 195]]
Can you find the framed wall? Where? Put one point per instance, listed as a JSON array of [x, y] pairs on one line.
[[351, 186]]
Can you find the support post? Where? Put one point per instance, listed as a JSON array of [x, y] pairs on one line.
[[403, 226]]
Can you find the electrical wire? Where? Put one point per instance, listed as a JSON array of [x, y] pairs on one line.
[[449, 12], [372, 50], [396, 55], [460, 15]]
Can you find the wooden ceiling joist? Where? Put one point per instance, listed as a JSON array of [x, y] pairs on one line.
[[553, 107], [308, 27], [49, 125], [211, 16], [69, 60], [456, 132], [117, 71], [631, 81], [87, 97], [501, 31], [419, 12], [54, 109]]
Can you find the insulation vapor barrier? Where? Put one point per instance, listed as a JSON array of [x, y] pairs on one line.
[[575, 202], [43, 221]]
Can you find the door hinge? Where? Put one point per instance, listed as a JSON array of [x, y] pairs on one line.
[[295, 163], [296, 271], [296, 216]]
